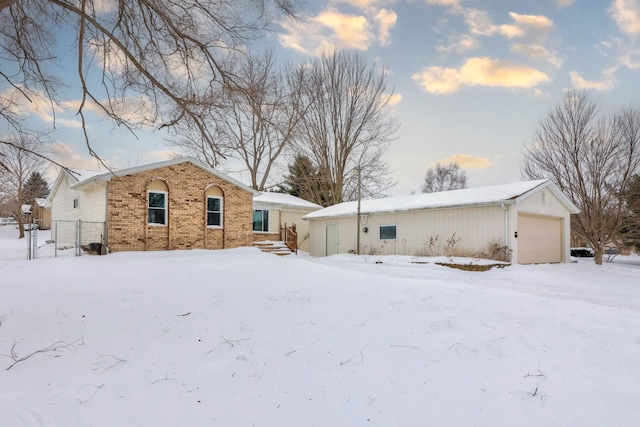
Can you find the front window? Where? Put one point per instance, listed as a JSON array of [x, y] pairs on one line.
[[387, 232], [214, 211], [261, 220], [157, 208]]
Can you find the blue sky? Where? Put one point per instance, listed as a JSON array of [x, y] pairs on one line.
[[472, 77]]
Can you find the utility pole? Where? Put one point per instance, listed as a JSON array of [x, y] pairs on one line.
[[359, 170]]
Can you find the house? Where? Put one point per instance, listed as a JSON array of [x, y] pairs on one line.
[[528, 220], [41, 213], [273, 211], [175, 204]]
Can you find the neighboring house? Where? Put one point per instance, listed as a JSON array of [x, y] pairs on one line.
[[531, 219], [272, 211], [175, 204], [41, 213]]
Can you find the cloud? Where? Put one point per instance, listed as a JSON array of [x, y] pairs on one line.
[[38, 105], [395, 99], [530, 26], [332, 29], [565, 3], [478, 72], [386, 20], [444, 2], [460, 44], [606, 83], [538, 52], [466, 161], [329, 29], [64, 154], [626, 13]]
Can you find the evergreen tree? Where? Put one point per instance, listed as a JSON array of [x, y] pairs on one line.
[[36, 187], [305, 181]]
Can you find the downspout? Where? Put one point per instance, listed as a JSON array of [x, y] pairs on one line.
[[506, 225]]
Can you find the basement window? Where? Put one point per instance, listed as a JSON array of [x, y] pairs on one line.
[[387, 232]]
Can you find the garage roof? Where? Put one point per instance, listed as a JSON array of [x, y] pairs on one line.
[[498, 194]]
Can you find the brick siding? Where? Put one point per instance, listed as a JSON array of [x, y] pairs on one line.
[[127, 215]]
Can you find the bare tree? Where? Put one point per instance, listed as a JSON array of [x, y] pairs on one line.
[[630, 228], [444, 178], [18, 164], [255, 120], [591, 159], [138, 62], [348, 125]]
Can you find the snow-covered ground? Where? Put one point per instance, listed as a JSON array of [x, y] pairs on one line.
[[242, 338]]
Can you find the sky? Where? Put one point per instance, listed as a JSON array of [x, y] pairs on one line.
[[472, 78]]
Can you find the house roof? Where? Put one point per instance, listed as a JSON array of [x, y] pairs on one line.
[[498, 194], [40, 201], [88, 177], [285, 200]]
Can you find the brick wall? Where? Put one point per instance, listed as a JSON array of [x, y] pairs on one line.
[[127, 228]]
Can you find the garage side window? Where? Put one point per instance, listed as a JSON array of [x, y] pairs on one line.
[[387, 232], [157, 205]]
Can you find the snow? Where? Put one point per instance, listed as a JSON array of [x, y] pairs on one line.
[[469, 196], [84, 175], [242, 338], [285, 200]]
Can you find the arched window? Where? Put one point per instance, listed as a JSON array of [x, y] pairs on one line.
[[157, 205], [215, 200]]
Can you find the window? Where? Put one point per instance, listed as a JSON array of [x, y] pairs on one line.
[[544, 198], [261, 220], [387, 232], [214, 211], [157, 207], [76, 203]]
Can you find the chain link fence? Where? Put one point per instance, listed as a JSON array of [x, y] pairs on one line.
[[50, 238]]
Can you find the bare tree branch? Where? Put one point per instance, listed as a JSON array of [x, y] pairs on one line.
[[591, 159]]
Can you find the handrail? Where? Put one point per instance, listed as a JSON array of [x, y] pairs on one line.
[[291, 237]]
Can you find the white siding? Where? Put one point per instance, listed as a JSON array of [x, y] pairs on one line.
[[91, 207], [302, 227], [476, 227]]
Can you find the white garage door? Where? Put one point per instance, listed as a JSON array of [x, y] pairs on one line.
[[539, 239]]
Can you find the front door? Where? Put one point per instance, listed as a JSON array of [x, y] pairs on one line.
[[332, 239]]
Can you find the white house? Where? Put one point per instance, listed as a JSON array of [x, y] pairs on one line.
[[272, 211], [531, 220]]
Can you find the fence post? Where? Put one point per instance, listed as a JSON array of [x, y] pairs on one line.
[[29, 248], [78, 236], [55, 240], [34, 242]]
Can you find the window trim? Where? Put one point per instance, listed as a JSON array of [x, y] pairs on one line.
[[262, 220], [166, 208], [395, 228], [207, 211]]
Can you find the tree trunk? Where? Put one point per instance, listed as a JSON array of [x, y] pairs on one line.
[[598, 255]]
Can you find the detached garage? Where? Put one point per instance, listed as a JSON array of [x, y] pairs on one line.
[[527, 221]]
